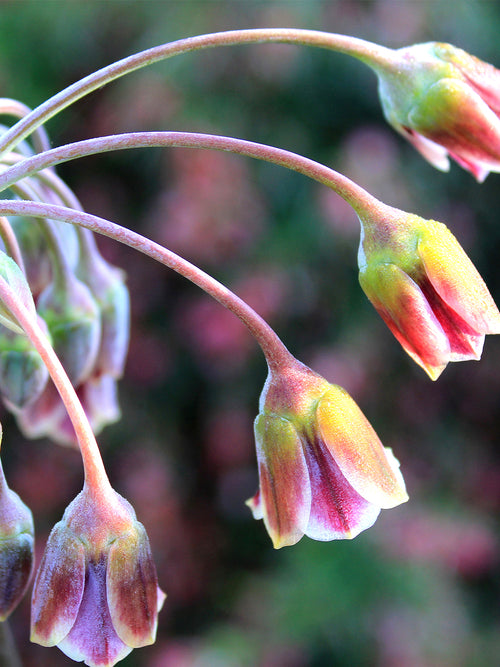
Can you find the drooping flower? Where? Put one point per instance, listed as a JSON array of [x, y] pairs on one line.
[[96, 593], [323, 471], [425, 288], [446, 103], [16, 548]]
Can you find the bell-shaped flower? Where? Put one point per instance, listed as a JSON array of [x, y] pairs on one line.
[[425, 288], [96, 593], [16, 548], [323, 471], [446, 103]]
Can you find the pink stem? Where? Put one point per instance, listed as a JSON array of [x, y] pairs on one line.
[[377, 57], [96, 478], [275, 352]]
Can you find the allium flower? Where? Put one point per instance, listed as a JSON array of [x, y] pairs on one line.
[[323, 471], [426, 289], [96, 593], [446, 103]]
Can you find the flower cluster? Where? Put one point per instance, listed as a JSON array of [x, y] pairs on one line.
[[64, 332]]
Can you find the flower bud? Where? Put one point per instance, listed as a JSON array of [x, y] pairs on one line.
[[323, 471], [96, 593], [16, 548], [446, 103], [23, 374], [108, 287], [425, 288], [73, 319]]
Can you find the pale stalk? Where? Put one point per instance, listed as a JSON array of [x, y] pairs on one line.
[[11, 243], [362, 202], [276, 354], [17, 109], [96, 478], [375, 56]]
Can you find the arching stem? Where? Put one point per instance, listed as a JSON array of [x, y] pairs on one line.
[[377, 57], [95, 475], [274, 350], [357, 197]]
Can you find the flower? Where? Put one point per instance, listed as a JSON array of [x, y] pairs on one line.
[[16, 548], [323, 471], [425, 288], [446, 103], [96, 593]]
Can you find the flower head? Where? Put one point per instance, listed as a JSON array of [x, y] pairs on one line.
[[323, 471], [446, 103], [96, 593], [426, 289]]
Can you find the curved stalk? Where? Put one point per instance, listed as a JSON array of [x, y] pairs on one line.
[[373, 55], [274, 350], [357, 197], [96, 478]]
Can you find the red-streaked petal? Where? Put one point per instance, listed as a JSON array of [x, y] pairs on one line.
[[404, 308], [93, 638], [465, 342], [337, 510], [456, 117], [285, 492], [58, 589], [356, 449], [132, 589], [456, 279]]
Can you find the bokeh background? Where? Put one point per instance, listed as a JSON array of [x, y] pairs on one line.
[[422, 587]]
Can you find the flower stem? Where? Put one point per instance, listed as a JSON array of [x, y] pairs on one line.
[[274, 350], [362, 202], [371, 54], [95, 474]]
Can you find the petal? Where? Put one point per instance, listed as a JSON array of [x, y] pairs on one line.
[[16, 566], [456, 279], [356, 449], [453, 115], [432, 152], [132, 589], [93, 638], [285, 492], [337, 510], [58, 589], [404, 308], [465, 342]]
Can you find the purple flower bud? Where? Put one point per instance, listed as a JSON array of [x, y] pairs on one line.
[[96, 593], [16, 548]]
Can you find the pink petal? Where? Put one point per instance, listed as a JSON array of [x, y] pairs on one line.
[[58, 589], [285, 492], [453, 115], [354, 446], [434, 153], [93, 638], [404, 308], [337, 510], [132, 589], [456, 279]]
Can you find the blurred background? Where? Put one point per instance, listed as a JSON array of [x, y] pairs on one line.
[[422, 587]]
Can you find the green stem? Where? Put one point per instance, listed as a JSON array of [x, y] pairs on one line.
[[375, 56], [275, 352], [95, 474], [362, 202]]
